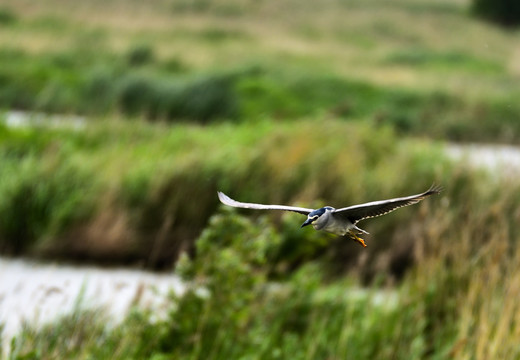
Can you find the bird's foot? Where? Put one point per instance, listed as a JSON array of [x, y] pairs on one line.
[[357, 239]]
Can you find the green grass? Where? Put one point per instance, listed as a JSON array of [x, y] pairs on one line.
[[59, 83], [147, 176], [63, 83]]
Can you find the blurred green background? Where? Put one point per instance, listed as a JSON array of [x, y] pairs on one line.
[[122, 118]]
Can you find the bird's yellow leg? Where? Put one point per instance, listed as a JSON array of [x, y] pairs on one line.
[[357, 238]]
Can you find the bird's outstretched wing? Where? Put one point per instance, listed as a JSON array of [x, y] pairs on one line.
[[226, 200], [377, 208]]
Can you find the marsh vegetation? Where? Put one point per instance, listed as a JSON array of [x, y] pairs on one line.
[[303, 103]]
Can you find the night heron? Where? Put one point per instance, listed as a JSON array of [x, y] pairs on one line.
[[339, 221]]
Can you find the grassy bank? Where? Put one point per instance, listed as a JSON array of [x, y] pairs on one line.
[[134, 192], [131, 192]]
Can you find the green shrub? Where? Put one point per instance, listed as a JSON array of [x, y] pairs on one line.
[[98, 91], [7, 16], [173, 65], [290, 95], [233, 311], [209, 98], [201, 99], [135, 95], [226, 275], [140, 55], [504, 12]]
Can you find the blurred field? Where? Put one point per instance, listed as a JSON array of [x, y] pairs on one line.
[[425, 67], [298, 102]]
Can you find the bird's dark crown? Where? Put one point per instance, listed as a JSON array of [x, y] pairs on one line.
[[320, 211]]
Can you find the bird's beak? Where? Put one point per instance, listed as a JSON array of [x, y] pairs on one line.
[[307, 222]]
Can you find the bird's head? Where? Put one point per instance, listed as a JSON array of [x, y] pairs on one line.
[[315, 215]]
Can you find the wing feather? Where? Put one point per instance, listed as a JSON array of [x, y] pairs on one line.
[[226, 200], [377, 208]]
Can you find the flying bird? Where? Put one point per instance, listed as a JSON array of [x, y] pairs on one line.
[[339, 221]]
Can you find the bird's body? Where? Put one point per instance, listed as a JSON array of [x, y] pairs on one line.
[[339, 221], [326, 221]]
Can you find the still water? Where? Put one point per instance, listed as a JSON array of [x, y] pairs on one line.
[[37, 293]]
